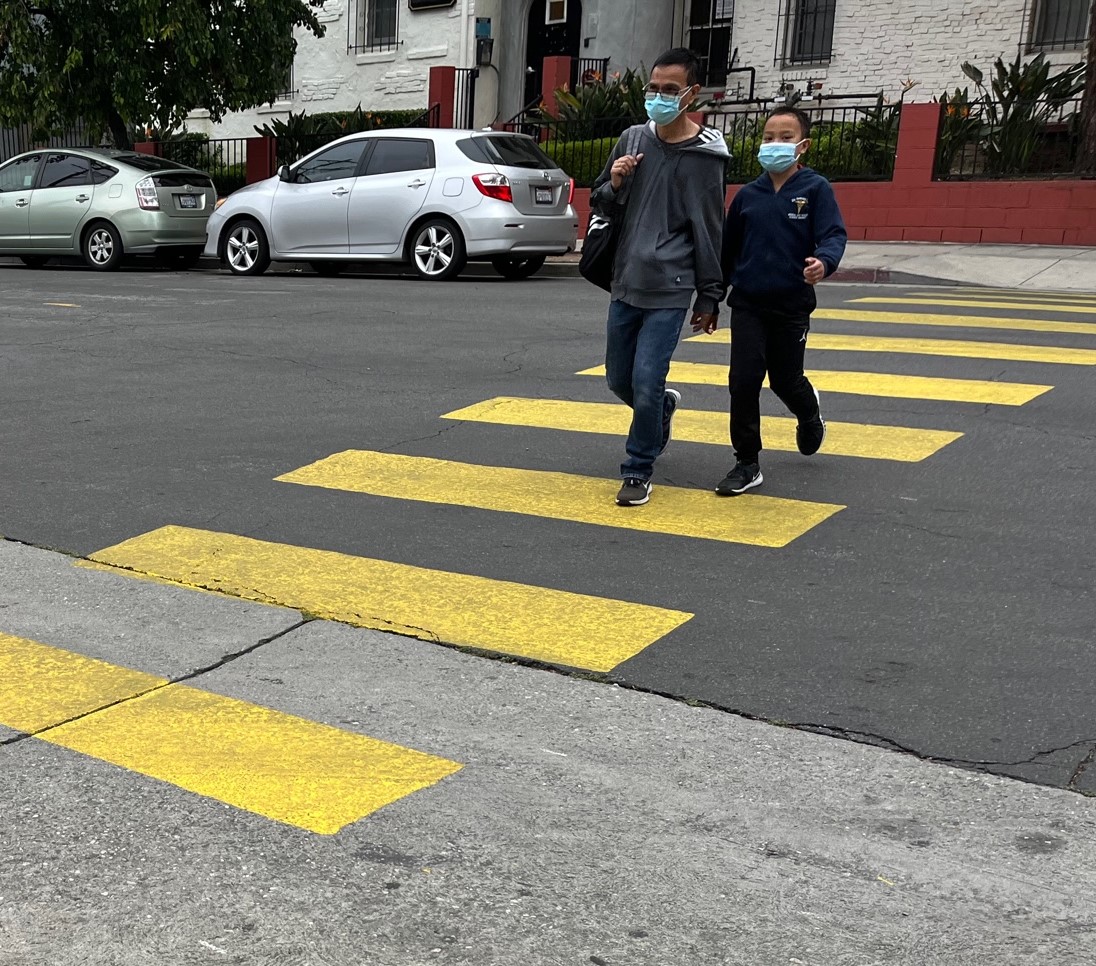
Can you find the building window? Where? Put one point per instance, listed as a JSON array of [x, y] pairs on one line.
[[375, 27], [1059, 24], [555, 12], [808, 31], [710, 25]]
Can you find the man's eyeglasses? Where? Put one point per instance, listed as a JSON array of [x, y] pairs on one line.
[[671, 90]]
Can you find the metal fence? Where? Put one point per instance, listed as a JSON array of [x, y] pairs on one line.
[[223, 159], [589, 70], [849, 143], [1032, 140], [16, 140], [1058, 24], [581, 148], [464, 98]]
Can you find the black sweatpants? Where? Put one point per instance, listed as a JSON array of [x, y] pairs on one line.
[[766, 343]]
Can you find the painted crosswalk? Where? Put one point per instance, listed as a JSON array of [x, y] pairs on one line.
[[956, 321], [257, 759], [955, 348], [696, 426], [891, 385], [975, 303], [762, 521], [433, 605]]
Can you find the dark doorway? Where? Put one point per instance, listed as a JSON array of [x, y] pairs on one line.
[[560, 39]]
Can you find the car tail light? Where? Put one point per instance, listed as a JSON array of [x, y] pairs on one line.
[[494, 186], [147, 197], [571, 194]]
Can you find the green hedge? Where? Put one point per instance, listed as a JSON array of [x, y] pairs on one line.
[[582, 160], [229, 178]]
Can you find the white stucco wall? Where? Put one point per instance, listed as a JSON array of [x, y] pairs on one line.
[[327, 77]]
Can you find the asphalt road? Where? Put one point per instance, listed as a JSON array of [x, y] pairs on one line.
[[946, 610]]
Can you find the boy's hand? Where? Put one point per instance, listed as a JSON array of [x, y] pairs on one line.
[[703, 322], [623, 168], [814, 272]]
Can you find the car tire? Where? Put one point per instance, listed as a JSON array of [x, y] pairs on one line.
[[181, 259], [102, 247], [327, 269], [436, 250], [246, 251], [34, 261], [516, 269]]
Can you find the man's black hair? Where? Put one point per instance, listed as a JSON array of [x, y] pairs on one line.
[[802, 117], [681, 57]]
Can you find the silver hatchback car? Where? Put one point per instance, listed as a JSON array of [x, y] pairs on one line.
[[433, 198], [102, 205]]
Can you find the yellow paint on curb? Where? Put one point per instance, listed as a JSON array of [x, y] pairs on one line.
[[1005, 351], [882, 384], [762, 521], [285, 768], [554, 626], [693, 426]]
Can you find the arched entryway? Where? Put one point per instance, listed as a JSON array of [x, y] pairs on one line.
[[554, 30]]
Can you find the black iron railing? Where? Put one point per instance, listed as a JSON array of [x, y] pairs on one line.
[[581, 148], [1033, 140], [16, 140], [223, 159], [847, 143], [589, 70], [372, 26], [1058, 24], [464, 97], [805, 32]]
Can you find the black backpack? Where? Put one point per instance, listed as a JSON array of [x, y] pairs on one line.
[[603, 230]]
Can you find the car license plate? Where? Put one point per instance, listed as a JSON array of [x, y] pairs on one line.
[[188, 201], [544, 196]]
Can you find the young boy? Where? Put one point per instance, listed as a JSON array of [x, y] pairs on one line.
[[783, 235]]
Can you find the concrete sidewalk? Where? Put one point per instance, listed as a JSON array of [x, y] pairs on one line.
[[588, 824]]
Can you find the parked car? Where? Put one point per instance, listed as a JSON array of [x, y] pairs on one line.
[[102, 205], [432, 198]]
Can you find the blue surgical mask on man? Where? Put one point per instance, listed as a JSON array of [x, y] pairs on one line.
[[778, 156], [663, 109]]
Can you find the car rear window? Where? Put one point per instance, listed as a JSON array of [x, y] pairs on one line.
[[510, 150]]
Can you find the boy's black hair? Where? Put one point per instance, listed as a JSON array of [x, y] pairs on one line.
[[681, 57], [802, 117]]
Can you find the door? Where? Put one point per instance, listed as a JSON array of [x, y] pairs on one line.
[[61, 202], [309, 214], [554, 30], [16, 194], [389, 194]]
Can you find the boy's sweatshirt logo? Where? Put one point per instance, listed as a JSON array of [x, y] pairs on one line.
[[800, 213]]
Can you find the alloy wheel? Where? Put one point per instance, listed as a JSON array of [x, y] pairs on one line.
[[435, 249], [243, 248], [101, 246]]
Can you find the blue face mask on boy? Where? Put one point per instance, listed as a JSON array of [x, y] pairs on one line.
[[778, 156], [663, 109]]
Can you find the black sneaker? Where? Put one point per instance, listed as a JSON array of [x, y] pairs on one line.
[[634, 492], [673, 400], [744, 476], [810, 434]]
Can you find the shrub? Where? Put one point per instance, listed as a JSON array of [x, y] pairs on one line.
[[229, 178], [582, 160]]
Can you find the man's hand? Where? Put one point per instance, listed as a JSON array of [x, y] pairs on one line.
[[704, 322], [814, 272], [623, 168]]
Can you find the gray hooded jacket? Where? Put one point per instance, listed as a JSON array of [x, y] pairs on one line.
[[673, 222]]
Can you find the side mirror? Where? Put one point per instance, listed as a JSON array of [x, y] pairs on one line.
[[284, 174]]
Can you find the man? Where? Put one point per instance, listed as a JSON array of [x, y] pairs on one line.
[[670, 177]]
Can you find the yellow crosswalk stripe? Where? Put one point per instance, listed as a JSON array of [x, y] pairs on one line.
[[882, 384], [762, 521], [937, 347], [693, 426], [1017, 295], [979, 304], [282, 767], [956, 321], [547, 625]]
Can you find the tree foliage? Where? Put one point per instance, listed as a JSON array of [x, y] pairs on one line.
[[112, 63]]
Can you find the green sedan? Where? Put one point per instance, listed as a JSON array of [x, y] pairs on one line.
[[102, 205]]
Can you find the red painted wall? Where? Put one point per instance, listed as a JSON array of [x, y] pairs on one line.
[[913, 207]]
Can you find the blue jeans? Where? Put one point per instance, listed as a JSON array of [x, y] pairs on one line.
[[639, 345]]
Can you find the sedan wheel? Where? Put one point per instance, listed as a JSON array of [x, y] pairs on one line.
[[518, 268], [246, 250], [437, 251], [103, 247]]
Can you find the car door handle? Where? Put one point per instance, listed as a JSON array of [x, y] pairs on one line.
[[82, 198], [417, 184], [22, 203], [340, 192]]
